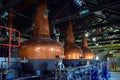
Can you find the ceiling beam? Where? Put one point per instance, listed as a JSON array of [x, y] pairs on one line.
[[8, 5], [105, 6], [111, 46], [91, 10], [11, 3], [107, 24], [98, 35], [77, 34], [25, 4], [100, 41], [113, 12]]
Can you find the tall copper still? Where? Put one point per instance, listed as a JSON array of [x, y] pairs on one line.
[[41, 46], [87, 53], [72, 51]]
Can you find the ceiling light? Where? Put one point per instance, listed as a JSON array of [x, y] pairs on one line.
[[97, 58], [84, 11], [87, 34], [94, 39], [96, 44], [116, 30]]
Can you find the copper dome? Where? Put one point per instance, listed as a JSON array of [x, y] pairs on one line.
[[87, 53], [41, 46], [72, 51]]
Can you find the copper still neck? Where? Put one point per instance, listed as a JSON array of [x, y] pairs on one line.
[[84, 41], [87, 53], [41, 20], [72, 51], [69, 33]]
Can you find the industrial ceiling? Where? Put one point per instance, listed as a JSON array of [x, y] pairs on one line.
[[99, 20]]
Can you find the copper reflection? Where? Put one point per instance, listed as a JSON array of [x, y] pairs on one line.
[[72, 51], [87, 53], [41, 46]]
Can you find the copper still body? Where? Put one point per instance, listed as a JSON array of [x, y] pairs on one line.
[[87, 53], [41, 46], [72, 51]]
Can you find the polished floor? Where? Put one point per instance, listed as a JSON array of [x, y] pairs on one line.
[[115, 76]]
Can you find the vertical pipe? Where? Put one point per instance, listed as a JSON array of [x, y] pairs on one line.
[[10, 19], [57, 39], [10, 24]]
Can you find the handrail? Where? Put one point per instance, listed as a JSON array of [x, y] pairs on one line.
[[10, 38]]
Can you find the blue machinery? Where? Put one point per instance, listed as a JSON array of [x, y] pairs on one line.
[[64, 70], [89, 71]]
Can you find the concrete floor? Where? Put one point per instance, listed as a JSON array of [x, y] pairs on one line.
[[115, 76]]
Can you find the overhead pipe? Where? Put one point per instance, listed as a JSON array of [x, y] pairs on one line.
[[26, 17], [72, 51], [41, 46]]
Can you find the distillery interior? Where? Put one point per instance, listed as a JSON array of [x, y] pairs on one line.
[[59, 39]]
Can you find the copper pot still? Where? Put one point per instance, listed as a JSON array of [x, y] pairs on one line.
[[72, 51], [87, 53], [41, 46]]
